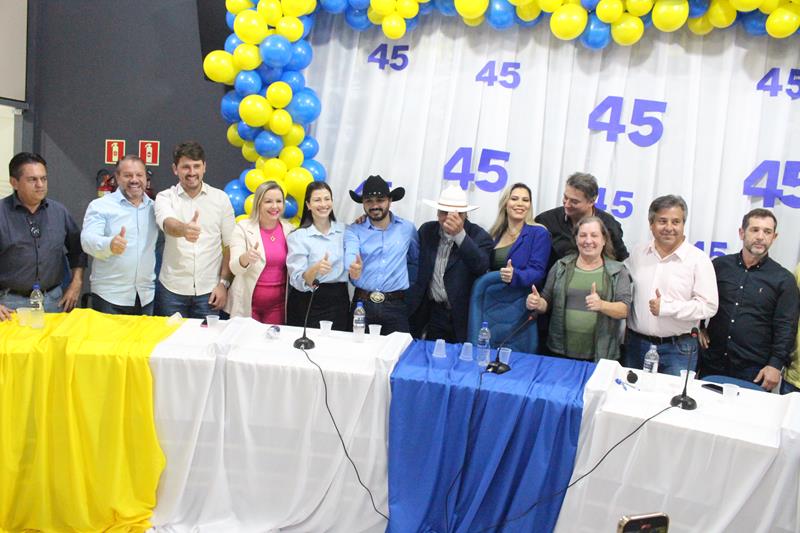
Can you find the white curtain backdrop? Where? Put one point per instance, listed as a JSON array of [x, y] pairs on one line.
[[717, 126]]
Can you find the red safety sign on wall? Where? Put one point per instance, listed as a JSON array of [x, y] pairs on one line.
[[149, 152], [115, 150]]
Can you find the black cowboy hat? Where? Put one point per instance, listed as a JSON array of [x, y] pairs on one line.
[[376, 186]]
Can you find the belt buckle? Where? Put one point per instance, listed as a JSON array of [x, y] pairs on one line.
[[377, 297]]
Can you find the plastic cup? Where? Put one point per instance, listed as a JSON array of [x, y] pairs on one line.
[[692, 375], [325, 327], [439, 349], [730, 391], [36, 318], [375, 330], [466, 352], [504, 354], [212, 321], [24, 316]]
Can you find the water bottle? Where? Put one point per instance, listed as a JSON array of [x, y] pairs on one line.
[[37, 298], [651, 360], [359, 321], [484, 346]]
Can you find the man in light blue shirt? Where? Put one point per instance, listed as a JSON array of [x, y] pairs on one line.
[[382, 256], [120, 232]]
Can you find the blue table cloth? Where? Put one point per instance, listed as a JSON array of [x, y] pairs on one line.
[[491, 453]]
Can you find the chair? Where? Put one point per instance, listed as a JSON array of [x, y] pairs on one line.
[[503, 307], [744, 384]]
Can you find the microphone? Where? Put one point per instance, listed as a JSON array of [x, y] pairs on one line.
[[304, 342], [682, 400], [497, 366]]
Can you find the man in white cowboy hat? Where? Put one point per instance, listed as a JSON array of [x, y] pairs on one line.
[[453, 253], [381, 254]]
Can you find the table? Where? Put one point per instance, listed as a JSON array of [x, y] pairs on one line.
[[517, 438], [249, 443], [725, 467]]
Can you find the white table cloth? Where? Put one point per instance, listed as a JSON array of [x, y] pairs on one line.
[[249, 443], [728, 466]]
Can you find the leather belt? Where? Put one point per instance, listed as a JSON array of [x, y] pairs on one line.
[[378, 297], [661, 340], [23, 292]]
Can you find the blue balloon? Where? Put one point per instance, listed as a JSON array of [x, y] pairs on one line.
[[500, 14], [413, 22], [446, 7], [232, 42], [309, 146], [697, 8], [268, 144], [305, 106], [290, 207], [527, 23], [229, 18], [647, 20], [755, 22], [315, 168], [242, 176], [247, 82], [276, 51], [426, 8], [247, 132], [301, 55], [269, 74], [357, 18], [229, 107], [589, 5], [237, 201], [308, 23], [597, 33], [294, 79], [233, 185], [359, 4]]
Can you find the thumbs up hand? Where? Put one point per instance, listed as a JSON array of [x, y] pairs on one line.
[[323, 266], [356, 267], [655, 304], [252, 255], [507, 272], [534, 301], [119, 243], [191, 231], [593, 301]]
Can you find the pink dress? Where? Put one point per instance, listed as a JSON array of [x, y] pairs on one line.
[[269, 296]]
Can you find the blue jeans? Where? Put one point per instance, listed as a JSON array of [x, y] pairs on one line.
[[787, 387], [167, 303], [711, 366], [104, 306], [51, 298], [392, 315], [672, 356]]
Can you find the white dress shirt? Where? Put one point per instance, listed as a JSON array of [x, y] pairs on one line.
[[193, 268], [687, 283]]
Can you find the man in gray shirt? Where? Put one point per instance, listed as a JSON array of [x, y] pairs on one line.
[[35, 234]]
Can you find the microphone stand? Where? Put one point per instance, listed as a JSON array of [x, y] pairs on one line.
[[497, 366], [683, 400], [304, 342]]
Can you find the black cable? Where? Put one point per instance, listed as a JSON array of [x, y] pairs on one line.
[[540, 500], [339, 433]]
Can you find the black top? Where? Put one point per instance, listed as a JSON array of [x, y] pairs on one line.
[[51, 229], [756, 323], [560, 228]]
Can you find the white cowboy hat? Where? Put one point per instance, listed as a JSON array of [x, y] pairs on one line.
[[452, 199]]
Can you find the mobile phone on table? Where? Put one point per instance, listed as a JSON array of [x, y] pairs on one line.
[[204, 323], [646, 523], [713, 387]]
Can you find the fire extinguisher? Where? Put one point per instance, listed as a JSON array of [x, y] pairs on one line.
[[105, 182]]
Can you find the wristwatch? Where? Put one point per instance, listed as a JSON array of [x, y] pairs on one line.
[[225, 283]]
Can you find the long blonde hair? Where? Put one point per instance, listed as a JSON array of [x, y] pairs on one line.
[[501, 222], [262, 190]]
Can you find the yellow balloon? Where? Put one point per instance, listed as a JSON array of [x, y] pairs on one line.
[[242, 217], [260, 162], [246, 57], [721, 13], [295, 136], [783, 22], [768, 6], [408, 9], [279, 94], [471, 9], [282, 183], [669, 15], [474, 23], [292, 156], [517, 3], [700, 25], [638, 8], [308, 6], [627, 30], [248, 203], [746, 5], [255, 110], [394, 26], [609, 11], [274, 169], [291, 28], [549, 6], [374, 17], [529, 11], [271, 11], [234, 6], [280, 122], [297, 179], [568, 21], [233, 136], [218, 66], [383, 7], [249, 151], [253, 179], [250, 27], [293, 8]]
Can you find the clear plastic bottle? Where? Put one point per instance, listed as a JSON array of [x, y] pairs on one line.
[[651, 360], [484, 347], [359, 321], [37, 304]]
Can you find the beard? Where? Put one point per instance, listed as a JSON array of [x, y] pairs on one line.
[[377, 214]]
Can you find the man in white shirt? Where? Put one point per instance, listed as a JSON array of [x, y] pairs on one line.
[[197, 221], [674, 289]]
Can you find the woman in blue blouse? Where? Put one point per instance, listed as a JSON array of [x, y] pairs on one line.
[[521, 247], [316, 252]]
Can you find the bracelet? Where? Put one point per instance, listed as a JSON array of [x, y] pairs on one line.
[[225, 283]]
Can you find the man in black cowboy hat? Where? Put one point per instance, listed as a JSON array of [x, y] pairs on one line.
[[382, 253]]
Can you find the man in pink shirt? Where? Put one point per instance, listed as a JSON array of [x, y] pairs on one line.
[[674, 289]]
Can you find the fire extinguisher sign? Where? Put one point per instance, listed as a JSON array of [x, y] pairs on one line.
[[115, 150], [149, 152]]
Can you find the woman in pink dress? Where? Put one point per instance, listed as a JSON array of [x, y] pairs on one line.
[[258, 259]]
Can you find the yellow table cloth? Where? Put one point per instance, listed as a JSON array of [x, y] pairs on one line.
[[78, 445]]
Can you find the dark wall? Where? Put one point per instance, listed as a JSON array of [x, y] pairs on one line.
[[121, 69]]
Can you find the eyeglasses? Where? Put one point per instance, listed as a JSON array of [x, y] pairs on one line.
[[36, 231]]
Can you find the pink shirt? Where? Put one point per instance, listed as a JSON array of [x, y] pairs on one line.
[[687, 284], [275, 250]]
